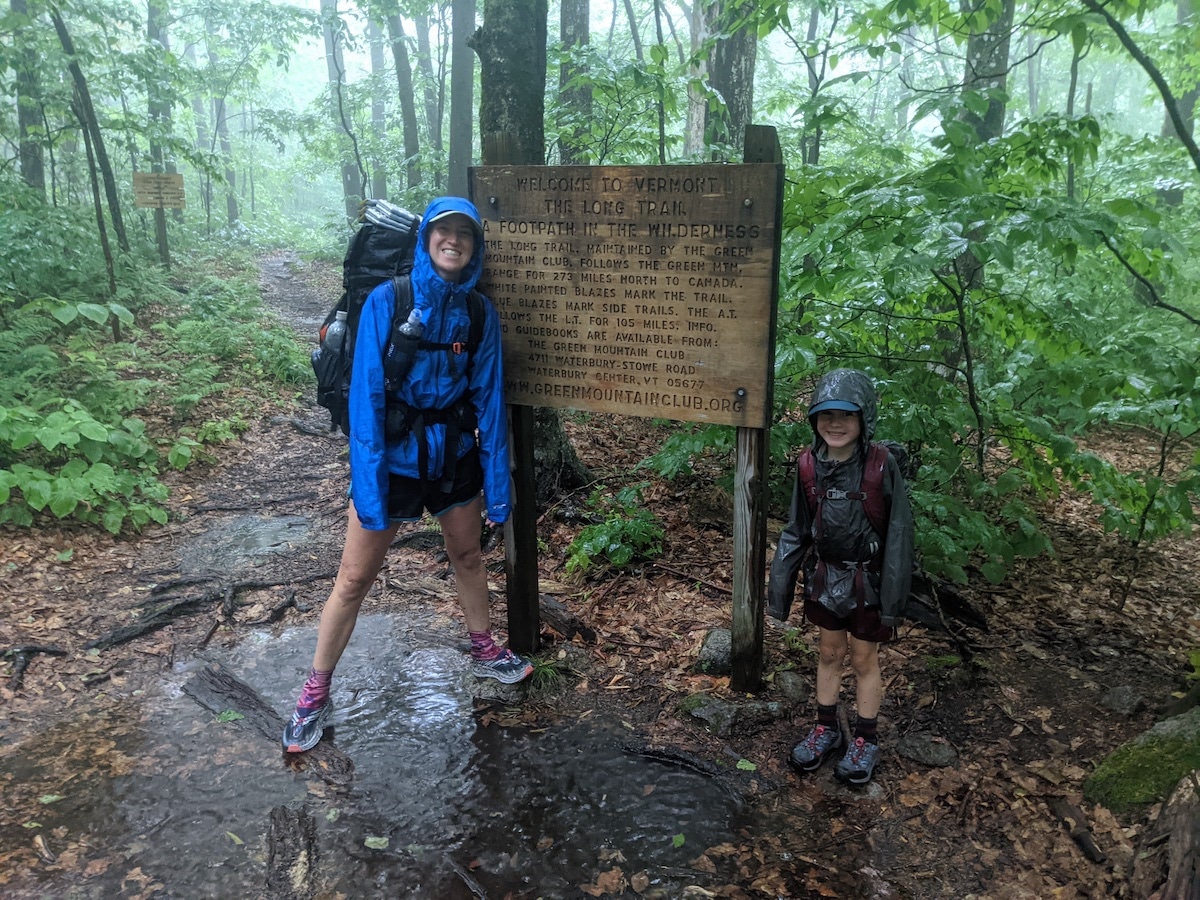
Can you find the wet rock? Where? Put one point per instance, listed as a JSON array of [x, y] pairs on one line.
[[1144, 770], [793, 687], [716, 654], [490, 690], [1124, 701], [927, 749], [241, 542], [875, 789], [724, 717]]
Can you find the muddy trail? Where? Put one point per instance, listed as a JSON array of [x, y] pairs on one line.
[[138, 756]]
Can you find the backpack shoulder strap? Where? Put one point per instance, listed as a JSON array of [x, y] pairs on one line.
[[396, 364], [807, 473], [475, 309], [872, 487], [402, 288]]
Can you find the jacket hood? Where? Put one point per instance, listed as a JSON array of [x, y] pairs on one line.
[[846, 386], [423, 272]]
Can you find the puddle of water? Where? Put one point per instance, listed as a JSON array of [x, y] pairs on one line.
[[161, 792], [242, 540]]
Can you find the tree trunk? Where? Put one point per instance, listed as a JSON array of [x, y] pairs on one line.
[[697, 109], [378, 112], [1167, 864], [1034, 72], [88, 120], [434, 90], [33, 169], [985, 73], [573, 32], [987, 69], [1184, 10], [405, 94], [512, 61], [661, 105], [633, 31], [203, 141], [353, 177], [727, 69], [810, 139], [462, 94], [221, 129], [731, 73], [80, 114], [159, 108]]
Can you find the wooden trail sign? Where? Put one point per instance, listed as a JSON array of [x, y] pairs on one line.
[[644, 291], [158, 190]]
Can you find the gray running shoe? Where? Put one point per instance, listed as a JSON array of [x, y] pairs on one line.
[[304, 730], [820, 744], [507, 668], [858, 765]]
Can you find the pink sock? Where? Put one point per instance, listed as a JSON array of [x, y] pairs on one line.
[[483, 646], [315, 690]]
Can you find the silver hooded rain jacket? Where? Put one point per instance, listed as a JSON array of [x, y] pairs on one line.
[[847, 539]]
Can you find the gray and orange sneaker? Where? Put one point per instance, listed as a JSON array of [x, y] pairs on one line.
[[304, 730], [507, 668], [858, 765], [820, 744]]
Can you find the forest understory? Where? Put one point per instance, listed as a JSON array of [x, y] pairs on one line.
[[1024, 710]]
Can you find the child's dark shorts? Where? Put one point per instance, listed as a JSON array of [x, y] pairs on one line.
[[864, 625], [408, 498]]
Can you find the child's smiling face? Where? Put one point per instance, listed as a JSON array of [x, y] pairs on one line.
[[840, 429]]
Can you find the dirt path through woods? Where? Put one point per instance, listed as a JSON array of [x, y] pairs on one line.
[[1061, 678]]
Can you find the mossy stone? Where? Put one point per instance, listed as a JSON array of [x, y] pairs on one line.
[[1145, 770]]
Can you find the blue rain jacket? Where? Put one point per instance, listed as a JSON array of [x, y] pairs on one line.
[[437, 380]]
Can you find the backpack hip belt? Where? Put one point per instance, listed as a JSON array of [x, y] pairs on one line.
[[402, 419]]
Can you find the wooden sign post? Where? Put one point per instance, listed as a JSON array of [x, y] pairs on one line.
[[647, 291], [159, 191]]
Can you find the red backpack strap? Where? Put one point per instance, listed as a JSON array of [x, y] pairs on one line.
[[807, 473], [872, 488]]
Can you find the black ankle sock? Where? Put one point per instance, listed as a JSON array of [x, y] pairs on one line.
[[866, 729], [827, 715]]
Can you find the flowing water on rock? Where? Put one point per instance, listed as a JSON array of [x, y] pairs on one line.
[[158, 791]]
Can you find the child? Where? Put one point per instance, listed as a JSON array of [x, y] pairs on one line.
[[856, 576]]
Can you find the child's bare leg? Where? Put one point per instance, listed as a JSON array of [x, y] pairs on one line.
[[858, 765], [832, 646], [864, 658]]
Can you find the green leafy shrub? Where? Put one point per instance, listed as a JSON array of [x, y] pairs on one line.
[[628, 531], [93, 405]]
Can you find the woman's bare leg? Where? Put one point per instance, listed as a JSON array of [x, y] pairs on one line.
[[362, 558], [461, 529]]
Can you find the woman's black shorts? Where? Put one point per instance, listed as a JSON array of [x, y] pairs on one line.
[[408, 498]]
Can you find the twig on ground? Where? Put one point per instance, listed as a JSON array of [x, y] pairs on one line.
[[692, 578], [22, 657]]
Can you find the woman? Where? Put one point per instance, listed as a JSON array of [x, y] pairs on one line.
[[413, 448]]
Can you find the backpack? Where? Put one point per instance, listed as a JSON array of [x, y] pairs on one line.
[[870, 492], [380, 250]]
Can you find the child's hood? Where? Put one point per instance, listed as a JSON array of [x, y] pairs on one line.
[[849, 386]]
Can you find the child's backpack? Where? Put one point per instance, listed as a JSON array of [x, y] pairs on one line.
[[870, 492], [381, 250], [870, 489]]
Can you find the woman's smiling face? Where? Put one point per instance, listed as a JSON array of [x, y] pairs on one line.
[[451, 244]]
